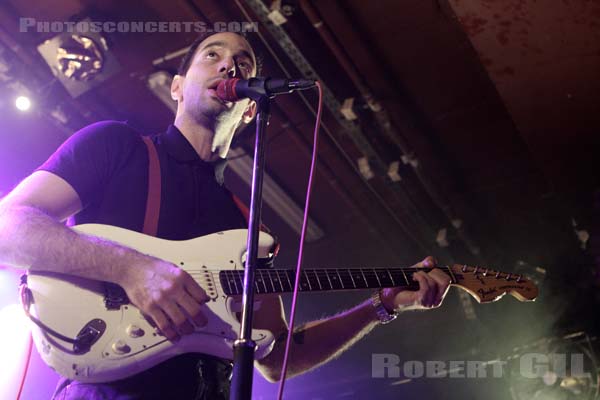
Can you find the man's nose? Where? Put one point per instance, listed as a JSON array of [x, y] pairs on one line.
[[227, 66]]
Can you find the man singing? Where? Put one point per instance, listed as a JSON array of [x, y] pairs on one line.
[[100, 175]]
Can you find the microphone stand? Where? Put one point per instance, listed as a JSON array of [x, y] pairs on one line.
[[244, 346]]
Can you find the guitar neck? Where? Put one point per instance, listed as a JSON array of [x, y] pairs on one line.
[[318, 280]]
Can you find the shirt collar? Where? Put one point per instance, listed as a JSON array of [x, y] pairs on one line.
[[181, 150]]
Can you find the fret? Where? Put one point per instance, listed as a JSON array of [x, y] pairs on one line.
[[287, 275], [391, 278], [235, 283], [256, 287], [271, 280], [261, 279], [313, 279], [285, 284], [307, 280], [399, 276], [270, 288], [409, 276], [334, 278], [304, 283], [405, 277], [290, 282], [364, 278], [351, 277], [374, 271], [359, 279], [384, 278], [240, 281], [371, 278], [277, 279], [318, 279], [328, 280], [341, 279], [324, 279], [226, 280], [237, 278]]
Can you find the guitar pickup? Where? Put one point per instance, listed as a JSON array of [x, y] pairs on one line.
[[114, 296]]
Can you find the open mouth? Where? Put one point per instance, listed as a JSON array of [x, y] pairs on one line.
[[212, 89]]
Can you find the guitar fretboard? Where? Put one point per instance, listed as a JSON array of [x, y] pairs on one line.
[[314, 280]]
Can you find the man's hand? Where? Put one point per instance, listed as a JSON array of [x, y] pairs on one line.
[[433, 287], [168, 295]]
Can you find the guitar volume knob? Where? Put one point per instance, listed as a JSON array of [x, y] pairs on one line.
[[120, 347], [134, 331]]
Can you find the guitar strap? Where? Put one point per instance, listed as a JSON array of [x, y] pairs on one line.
[[154, 190], [154, 193]]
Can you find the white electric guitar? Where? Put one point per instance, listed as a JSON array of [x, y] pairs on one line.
[[88, 331]]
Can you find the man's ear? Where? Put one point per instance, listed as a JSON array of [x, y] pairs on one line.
[[249, 112], [177, 88]]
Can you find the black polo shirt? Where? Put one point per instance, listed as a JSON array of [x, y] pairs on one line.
[[107, 165]]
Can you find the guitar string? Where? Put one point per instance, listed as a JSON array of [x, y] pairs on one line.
[[201, 277], [370, 272], [321, 274], [218, 286]]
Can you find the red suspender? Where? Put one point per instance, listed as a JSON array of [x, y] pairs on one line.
[[154, 190], [154, 194], [241, 206]]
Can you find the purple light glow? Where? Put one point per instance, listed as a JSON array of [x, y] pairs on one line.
[[14, 345]]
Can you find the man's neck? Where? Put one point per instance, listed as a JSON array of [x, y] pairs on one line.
[[199, 136]]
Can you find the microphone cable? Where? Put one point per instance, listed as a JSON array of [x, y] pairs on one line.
[[301, 248]]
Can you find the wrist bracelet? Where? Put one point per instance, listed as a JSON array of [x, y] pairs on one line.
[[382, 313]]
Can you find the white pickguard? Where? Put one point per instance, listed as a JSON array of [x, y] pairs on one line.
[[66, 304]]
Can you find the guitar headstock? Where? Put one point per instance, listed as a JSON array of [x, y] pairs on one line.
[[488, 285]]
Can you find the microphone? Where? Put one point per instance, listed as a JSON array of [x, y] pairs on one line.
[[236, 89]]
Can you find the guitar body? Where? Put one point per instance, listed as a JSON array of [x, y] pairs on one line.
[[125, 342]]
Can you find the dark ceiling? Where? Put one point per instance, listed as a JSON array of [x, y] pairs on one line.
[[492, 109]]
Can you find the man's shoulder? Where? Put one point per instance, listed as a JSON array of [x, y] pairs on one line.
[[109, 136], [111, 129]]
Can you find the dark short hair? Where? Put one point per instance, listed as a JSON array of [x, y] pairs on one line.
[[186, 61]]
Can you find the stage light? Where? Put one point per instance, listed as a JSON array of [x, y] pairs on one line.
[[80, 60], [23, 103]]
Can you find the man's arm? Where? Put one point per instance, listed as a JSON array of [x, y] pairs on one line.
[[32, 237], [318, 342]]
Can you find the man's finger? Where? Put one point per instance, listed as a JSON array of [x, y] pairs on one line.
[[442, 281], [193, 310], [197, 293], [432, 293], [162, 323], [427, 262], [424, 287], [175, 315]]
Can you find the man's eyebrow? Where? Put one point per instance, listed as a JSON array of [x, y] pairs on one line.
[[212, 44], [244, 52]]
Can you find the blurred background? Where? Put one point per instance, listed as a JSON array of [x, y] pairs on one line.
[[464, 129]]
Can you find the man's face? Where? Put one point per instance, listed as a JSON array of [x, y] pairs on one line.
[[220, 56]]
